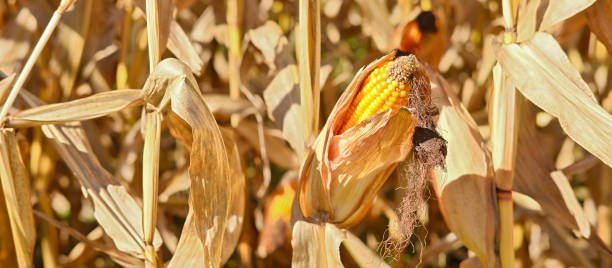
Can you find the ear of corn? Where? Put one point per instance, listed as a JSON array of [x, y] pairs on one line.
[[385, 88]]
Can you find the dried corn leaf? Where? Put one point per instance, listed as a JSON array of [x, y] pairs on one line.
[[164, 10], [203, 27], [180, 45], [16, 40], [376, 24], [237, 197], [189, 250], [7, 247], [222, 106], [282, 98], [527, 21], [94, 106], [16, 188], [533, 178], [276, 149], [274, 46], [5, 86], [559, 10], [172, 82], [70, 38], [114, 208], [466, 189], [542, 72], [316, 245], [362, 255], [598, 16]]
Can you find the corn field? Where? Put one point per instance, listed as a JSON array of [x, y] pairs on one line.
[[306, 133]]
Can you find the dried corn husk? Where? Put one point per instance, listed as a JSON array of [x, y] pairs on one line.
[[343, 173]]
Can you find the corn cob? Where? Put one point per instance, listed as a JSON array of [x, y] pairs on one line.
[[386, 87]]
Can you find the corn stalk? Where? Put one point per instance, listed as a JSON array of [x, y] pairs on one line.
[[503, 118], [308, 47]]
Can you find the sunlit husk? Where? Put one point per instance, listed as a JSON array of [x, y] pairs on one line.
[[343, 173]]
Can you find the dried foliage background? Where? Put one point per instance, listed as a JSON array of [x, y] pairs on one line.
[[214, 137]]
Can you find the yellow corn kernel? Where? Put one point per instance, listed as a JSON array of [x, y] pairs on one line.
[[382, 90]]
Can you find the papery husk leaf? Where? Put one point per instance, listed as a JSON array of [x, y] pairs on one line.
[[345, 171], [543, 74], [114, 208], [17, 197], [465, 190], [559, 10], [172, 82], [598, 16], [362, 254], [91, 107], [316, 245]]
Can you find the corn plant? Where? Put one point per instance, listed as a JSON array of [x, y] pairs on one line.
[[305, 133]]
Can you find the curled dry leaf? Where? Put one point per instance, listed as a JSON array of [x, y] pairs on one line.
[[543, 74], [465, 190], [189, 250], [94, 106], [352, 158], [114, 208], [16, 189], [173, 89]]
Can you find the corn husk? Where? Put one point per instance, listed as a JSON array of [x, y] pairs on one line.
[[343, 173]]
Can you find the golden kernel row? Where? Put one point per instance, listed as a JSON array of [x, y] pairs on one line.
[[379, 93]]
